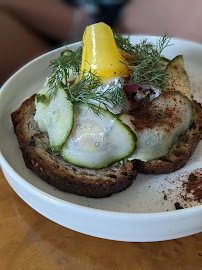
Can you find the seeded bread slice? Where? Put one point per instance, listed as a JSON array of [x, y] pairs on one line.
[[57, 172], [179, 153]]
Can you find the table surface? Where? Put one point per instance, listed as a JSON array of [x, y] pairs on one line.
[[30, 241]]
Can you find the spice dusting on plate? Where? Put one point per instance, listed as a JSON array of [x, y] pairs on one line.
[[178, 206], [186, 191], [194, 185]]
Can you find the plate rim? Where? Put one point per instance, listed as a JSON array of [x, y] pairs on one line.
[[4, 163], [37, 190]]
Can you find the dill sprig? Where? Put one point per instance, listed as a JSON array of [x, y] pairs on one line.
[[145, 61], [147, 65], [124, 43], [162, 43], [89, 90], [149, 71], [118, 96], [69, 61]]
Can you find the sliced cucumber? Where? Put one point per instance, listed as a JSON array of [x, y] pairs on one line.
[[55, 117], [41, 107], [97, 141], [178, 78], [165, 61], [155, 141], [60, 114], [66, 52]]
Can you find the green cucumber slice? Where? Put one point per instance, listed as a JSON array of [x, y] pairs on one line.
[[41, 107], [60, 114], [97, 141], [55, 117], [165, 61], [178, 79], [155, 141]]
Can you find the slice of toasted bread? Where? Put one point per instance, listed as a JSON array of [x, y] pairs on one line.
[[180, 153], [57, 172]]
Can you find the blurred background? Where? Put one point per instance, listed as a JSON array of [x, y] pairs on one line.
[[30, 28]]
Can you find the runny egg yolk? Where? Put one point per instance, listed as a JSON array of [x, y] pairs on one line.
[[100, 53]]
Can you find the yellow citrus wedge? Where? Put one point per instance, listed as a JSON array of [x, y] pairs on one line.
[[100, 53]]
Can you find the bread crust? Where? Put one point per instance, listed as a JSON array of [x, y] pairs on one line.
[[59, 173], [87, 182], [180, 153]]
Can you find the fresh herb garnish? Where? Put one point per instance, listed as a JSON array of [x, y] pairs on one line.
[[118, 96], [145, 61], [89, 89], [61, 67], [124, 43]]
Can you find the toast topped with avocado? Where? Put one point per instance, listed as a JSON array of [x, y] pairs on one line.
[[108, 111]]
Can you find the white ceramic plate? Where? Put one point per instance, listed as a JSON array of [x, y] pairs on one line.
[[140, 213]]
